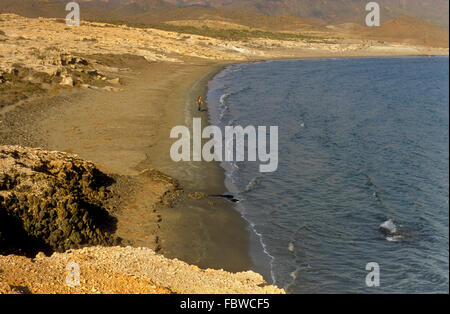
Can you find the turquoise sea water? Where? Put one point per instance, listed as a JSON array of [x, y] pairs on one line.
[[361, 141]]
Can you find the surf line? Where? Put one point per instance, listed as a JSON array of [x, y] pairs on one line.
[[230, 147]]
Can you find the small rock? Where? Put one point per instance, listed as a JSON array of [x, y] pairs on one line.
[[67, 81], [111, 89], [115, 81]]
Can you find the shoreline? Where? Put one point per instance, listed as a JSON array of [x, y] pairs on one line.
[[268, 273], [217, 250]]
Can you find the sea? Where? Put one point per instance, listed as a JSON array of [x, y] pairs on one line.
[[362, 142]]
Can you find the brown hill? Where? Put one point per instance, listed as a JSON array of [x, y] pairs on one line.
[[403, 29], [333, 11], [407, 29], [33, 8]]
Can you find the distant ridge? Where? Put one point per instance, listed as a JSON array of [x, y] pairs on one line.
[[403, 29], [320, 11], [332, 11]]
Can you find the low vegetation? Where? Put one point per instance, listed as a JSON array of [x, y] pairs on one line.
[[231, 34], [223, 34]]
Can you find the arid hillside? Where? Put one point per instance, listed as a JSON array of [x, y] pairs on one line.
[[408, 29], [423, 22], [331, 11], [404, 29], [276, 15]]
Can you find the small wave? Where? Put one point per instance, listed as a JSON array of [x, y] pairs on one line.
[[229, 145], [396, 238], [223, 105], [223, 98], [294, 276], [271, 257], [230, 169], [253, 182]]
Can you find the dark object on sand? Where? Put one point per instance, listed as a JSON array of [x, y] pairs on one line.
[[228, 197]]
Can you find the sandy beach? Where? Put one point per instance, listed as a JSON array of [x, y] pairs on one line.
[[127, 132]]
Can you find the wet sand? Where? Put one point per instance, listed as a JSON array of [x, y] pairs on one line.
[[207, 232]]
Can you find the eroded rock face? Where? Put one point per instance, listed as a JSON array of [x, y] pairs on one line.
[[51, 200]]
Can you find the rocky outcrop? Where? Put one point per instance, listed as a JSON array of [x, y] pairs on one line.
[[51, 200], [58, 201]]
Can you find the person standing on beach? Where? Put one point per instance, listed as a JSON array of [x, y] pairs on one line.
[[200, 103]]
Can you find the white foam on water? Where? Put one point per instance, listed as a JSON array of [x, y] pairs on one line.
[[294, 276], [231, 168], [223, 106], [291, 247], [223, 98], [253, 182], [396, 238]]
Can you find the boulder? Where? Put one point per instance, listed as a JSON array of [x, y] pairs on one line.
[[67, 81]]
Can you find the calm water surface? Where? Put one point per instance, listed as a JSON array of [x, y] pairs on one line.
[[361, 141]]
